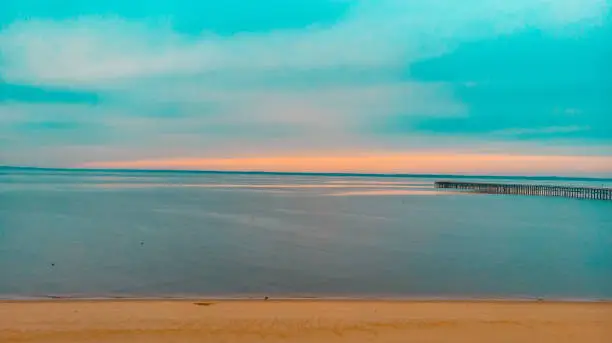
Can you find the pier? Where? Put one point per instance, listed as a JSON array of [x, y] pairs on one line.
[[594, 193]]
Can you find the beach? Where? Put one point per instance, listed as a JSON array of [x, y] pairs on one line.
[[302, 321]]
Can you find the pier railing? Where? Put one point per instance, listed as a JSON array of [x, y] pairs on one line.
[[595, 193]]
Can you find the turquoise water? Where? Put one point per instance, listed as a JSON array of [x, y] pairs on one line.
[[115, 234]]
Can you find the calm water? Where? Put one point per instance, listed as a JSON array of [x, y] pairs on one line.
[[165, 234]]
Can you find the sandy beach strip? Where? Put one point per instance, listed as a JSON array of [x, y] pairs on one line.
[[301, 321]]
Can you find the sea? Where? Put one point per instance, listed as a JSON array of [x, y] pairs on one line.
[[164, 234]]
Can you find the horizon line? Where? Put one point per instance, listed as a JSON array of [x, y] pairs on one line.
[[263, 172]]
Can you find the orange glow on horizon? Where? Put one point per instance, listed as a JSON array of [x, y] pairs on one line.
[[381, 163]]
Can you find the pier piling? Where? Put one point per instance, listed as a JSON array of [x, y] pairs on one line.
[[595, 193]]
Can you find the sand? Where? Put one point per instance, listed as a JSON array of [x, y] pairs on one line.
[[300, 321]]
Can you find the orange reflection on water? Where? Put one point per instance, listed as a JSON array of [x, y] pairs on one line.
[[250, 186], [398, 183], [391, 192]]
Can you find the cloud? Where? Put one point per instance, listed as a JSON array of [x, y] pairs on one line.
[[151, 91], [331, 117], [95, 51]]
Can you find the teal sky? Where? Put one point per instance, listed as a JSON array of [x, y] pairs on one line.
[[92, 82]]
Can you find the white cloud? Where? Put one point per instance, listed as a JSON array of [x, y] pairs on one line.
[[93, 52], [328, 116], [97, 51]]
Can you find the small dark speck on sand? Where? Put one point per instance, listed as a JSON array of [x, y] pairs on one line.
[[202, 304], [266, 298]]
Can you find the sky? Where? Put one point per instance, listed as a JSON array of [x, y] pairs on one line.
[[391, 86]]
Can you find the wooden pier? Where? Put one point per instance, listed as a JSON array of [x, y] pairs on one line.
[[594, 193]]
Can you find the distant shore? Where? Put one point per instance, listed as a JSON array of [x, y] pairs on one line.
[[303, 320]]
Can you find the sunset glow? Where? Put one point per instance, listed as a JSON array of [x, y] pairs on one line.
[[383, 163]]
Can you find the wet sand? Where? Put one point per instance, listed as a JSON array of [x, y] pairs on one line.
[[301, 321]]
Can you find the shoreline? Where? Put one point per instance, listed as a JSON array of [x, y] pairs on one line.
[[308, 299], [271, 297]]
